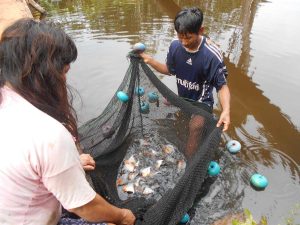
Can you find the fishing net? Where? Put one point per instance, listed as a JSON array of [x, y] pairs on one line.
[[152, 150]]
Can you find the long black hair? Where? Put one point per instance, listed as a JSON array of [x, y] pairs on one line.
[[33, 58]]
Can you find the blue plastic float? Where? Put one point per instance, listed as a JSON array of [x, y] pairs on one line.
[[185, 219], [139, 47], [122, 96], [259, 181], [233, 146], [140, 91], [152, 97], [144, 107], [213, 168]]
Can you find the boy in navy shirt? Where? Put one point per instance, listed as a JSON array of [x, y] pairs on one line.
[[197, 64]]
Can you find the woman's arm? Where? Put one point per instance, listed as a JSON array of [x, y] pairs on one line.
[[100, 210], [75, 194]]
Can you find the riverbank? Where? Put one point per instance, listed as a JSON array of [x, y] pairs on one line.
[[12, 10]]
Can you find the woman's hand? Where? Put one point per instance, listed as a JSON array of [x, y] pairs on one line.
[[87, 162], [128, 217]]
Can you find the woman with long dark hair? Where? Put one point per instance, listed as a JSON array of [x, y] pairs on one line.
[[40, 168]]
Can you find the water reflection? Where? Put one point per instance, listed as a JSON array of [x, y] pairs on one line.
[[259, 122], [169, 7], [104, 32]]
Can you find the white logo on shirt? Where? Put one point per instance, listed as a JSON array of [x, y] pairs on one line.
[[189, 61], [189, 85]]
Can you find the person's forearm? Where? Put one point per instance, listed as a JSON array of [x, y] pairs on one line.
[[80, 151], [224, 97], [160, 67], [99, 210]]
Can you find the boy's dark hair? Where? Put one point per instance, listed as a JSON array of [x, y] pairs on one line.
[[188, 20]]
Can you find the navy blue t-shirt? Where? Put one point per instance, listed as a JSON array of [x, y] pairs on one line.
[[199, 72]]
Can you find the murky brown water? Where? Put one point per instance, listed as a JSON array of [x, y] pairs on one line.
[[260, 40]]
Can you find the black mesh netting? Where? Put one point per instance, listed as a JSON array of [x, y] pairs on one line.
[[153, 161]]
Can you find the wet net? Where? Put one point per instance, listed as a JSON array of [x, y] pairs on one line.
[[152, 148]]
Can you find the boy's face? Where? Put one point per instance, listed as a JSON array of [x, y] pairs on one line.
[[190, 41]]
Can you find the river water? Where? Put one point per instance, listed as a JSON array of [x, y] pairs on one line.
[[260, 41]]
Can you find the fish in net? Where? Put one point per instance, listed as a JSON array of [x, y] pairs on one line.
[[152, 148]]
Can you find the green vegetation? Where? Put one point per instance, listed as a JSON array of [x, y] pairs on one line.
[[289, 220], [249, 220], [46, 5], [295, 212]]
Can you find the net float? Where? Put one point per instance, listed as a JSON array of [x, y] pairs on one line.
[[259, 181], [185, 219], [144, 107], [140, 91], [213, 168], [152, 97], [139, 47], [233, 146], [122, 96]]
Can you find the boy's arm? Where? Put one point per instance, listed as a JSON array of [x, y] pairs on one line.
[[159, 67], [224, 97]]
